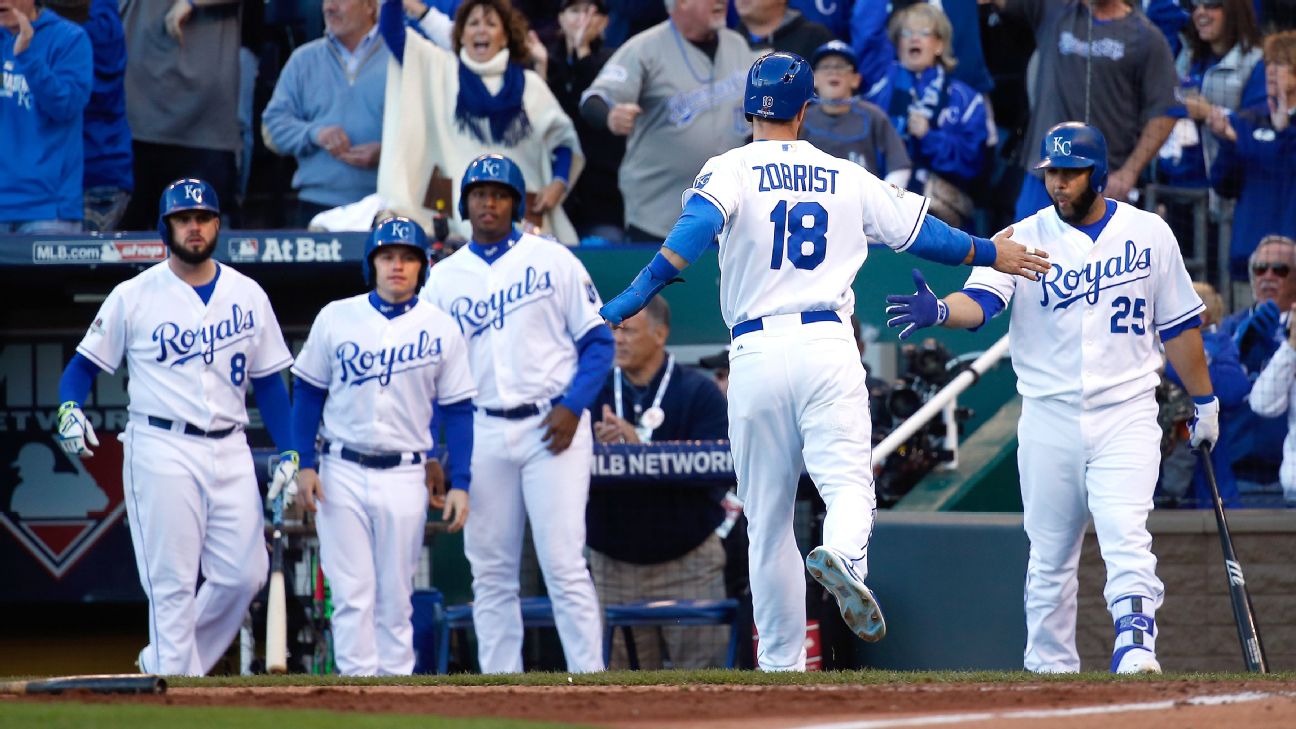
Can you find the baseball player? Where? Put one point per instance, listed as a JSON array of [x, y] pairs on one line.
[[373, 365], [792, 223], [1086, 359], [539, 353], [194, 333]]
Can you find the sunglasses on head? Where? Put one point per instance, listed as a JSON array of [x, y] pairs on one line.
[[1279, 269], [1208, 4]]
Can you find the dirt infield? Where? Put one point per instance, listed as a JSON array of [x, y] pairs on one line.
[[1146, 704]]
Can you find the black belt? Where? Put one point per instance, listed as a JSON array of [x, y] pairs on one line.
[[165, 424], [807, 317], [519, 412], [369, 460]]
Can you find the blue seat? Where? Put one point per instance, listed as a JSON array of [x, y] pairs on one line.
[[537, 612], [429, 614], [669, 613]]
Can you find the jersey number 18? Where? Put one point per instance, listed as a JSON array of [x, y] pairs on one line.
[[806, 245]]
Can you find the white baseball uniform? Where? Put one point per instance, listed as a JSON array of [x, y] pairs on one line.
[[382, 376], [1086, 359], [794, 237], [521, 317], [191, 493]]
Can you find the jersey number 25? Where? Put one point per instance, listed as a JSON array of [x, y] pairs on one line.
[[806, 245]]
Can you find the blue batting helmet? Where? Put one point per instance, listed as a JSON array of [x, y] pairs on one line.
[[189, 193], [398, 231], [1072, 145], [498, 169], [778, 85]]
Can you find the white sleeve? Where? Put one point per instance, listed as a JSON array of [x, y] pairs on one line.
[[891, 216], [269, 351], [1176, 301], [105, 341], [581, 299], [1272, 389], [454, 381], [719, 182], [314, 364], [438, 27]]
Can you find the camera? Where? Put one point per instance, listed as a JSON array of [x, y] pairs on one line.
[[925, 368]]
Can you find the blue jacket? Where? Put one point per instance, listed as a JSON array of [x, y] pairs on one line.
[[832, 14], [108, 157], [868, 36], [1231, 387], [1256, 438], [955, 144], [313, 91], [1257, 170], [42, 99]]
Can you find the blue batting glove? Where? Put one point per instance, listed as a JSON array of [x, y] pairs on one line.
[[652, 279], [918, 311]]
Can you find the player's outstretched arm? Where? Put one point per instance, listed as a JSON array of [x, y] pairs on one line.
[[923, 309], [696, 228], [938, 242]]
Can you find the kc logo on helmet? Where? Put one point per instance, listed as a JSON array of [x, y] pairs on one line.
[[1062, 146], [492, 167], [194, 192], [402, 231]]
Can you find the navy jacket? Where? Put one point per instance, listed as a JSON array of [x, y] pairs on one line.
[[654, 521]]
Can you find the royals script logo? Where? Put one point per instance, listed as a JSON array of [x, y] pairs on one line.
[[475, 316], [205, 341], [1062, 288], [359, 366]]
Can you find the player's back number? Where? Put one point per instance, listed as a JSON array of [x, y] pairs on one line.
[[800, 230]]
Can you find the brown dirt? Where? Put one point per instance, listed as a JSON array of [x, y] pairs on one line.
[[763, 707]]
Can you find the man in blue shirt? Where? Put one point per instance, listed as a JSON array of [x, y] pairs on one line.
[[47, 76]]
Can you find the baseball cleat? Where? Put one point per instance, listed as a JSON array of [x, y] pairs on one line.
[[1138, 660], [859, 608]]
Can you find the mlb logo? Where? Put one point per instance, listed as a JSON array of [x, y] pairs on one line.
[[244, 249]]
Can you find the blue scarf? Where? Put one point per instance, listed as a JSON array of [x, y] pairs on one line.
[[509, 124]]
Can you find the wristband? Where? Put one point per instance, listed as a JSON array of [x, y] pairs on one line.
[[942, 311], [984, 252], [1203, 399]]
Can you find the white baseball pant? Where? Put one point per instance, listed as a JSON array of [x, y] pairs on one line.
[[1075, 461], [370, 524], [515, 478], [192, 502], [797, 397]]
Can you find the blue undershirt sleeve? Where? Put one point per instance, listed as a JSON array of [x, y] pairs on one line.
[[1193, 322], [595, 351], [307, 409], [990, 305], [939, 242], [696, 228], [77, 378], [391, 24], [562, 159], [457, 417], [272, 399]]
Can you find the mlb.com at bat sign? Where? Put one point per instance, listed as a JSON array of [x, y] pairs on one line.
[[97, 251], [277, 249]]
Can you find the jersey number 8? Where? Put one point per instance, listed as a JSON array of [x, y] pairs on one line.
[[238, 368], [806, 245]]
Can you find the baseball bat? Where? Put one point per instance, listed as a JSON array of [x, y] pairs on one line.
[[125, 683], [1253, 653], [276, 652]]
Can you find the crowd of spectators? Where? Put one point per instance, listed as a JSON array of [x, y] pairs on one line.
[[610, 106]]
